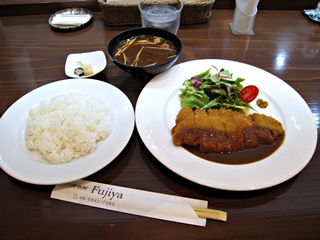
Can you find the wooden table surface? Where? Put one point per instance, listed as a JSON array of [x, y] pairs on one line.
[[285, 44]]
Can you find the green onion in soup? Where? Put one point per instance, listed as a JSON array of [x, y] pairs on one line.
[[143, 51]]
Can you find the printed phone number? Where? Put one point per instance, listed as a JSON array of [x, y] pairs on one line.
[[95, 200]]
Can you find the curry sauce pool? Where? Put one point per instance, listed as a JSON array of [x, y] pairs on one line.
[[241, 157]]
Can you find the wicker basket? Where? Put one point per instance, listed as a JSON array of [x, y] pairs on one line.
[[128, 14]]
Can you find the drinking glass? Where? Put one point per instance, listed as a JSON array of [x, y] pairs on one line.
[[164, 14]]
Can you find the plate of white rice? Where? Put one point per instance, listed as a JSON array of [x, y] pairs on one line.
[[64, 131]]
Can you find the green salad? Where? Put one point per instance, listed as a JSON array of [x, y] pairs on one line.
[[209, 90]]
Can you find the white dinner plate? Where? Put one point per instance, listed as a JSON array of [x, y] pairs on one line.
[[154, 120], [20, 163]]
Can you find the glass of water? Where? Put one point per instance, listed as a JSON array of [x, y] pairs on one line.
[[164, 14]]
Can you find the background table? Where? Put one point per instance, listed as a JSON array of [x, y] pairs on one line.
[[285, 44]]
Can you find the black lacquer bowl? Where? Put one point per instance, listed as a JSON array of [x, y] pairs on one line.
[[144, 73]]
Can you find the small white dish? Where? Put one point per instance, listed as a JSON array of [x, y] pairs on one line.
[[96, 59]]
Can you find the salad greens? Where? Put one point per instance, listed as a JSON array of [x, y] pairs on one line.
[[213, 91]]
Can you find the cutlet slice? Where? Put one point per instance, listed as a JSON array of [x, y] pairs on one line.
[[223, 143], [261, 129], [233, 129], [249, 136], [185, 130], [185, 114], [275, 127], [207, 133]]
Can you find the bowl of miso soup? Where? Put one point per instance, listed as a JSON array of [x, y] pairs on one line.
[[144, 52]]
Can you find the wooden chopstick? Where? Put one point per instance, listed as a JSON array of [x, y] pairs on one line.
[[210, 214]]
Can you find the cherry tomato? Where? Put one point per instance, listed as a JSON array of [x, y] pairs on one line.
[[249, 93]]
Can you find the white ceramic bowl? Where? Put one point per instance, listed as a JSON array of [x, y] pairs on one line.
[[96, 59]]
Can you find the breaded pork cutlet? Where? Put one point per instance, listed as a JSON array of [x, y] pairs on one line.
[[250, 138], [185, 130], [274, 126], [213, 134], [233, 129], [262, 129], [217, 122], [224, 131]]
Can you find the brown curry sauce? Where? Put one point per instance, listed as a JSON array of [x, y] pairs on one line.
[[240, 157]]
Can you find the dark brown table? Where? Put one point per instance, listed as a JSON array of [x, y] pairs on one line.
[[285, 44]]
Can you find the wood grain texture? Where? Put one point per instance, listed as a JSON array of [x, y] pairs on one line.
[[32, 7], [285, 44]]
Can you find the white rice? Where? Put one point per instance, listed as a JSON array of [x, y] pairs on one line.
[[66, 127]]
